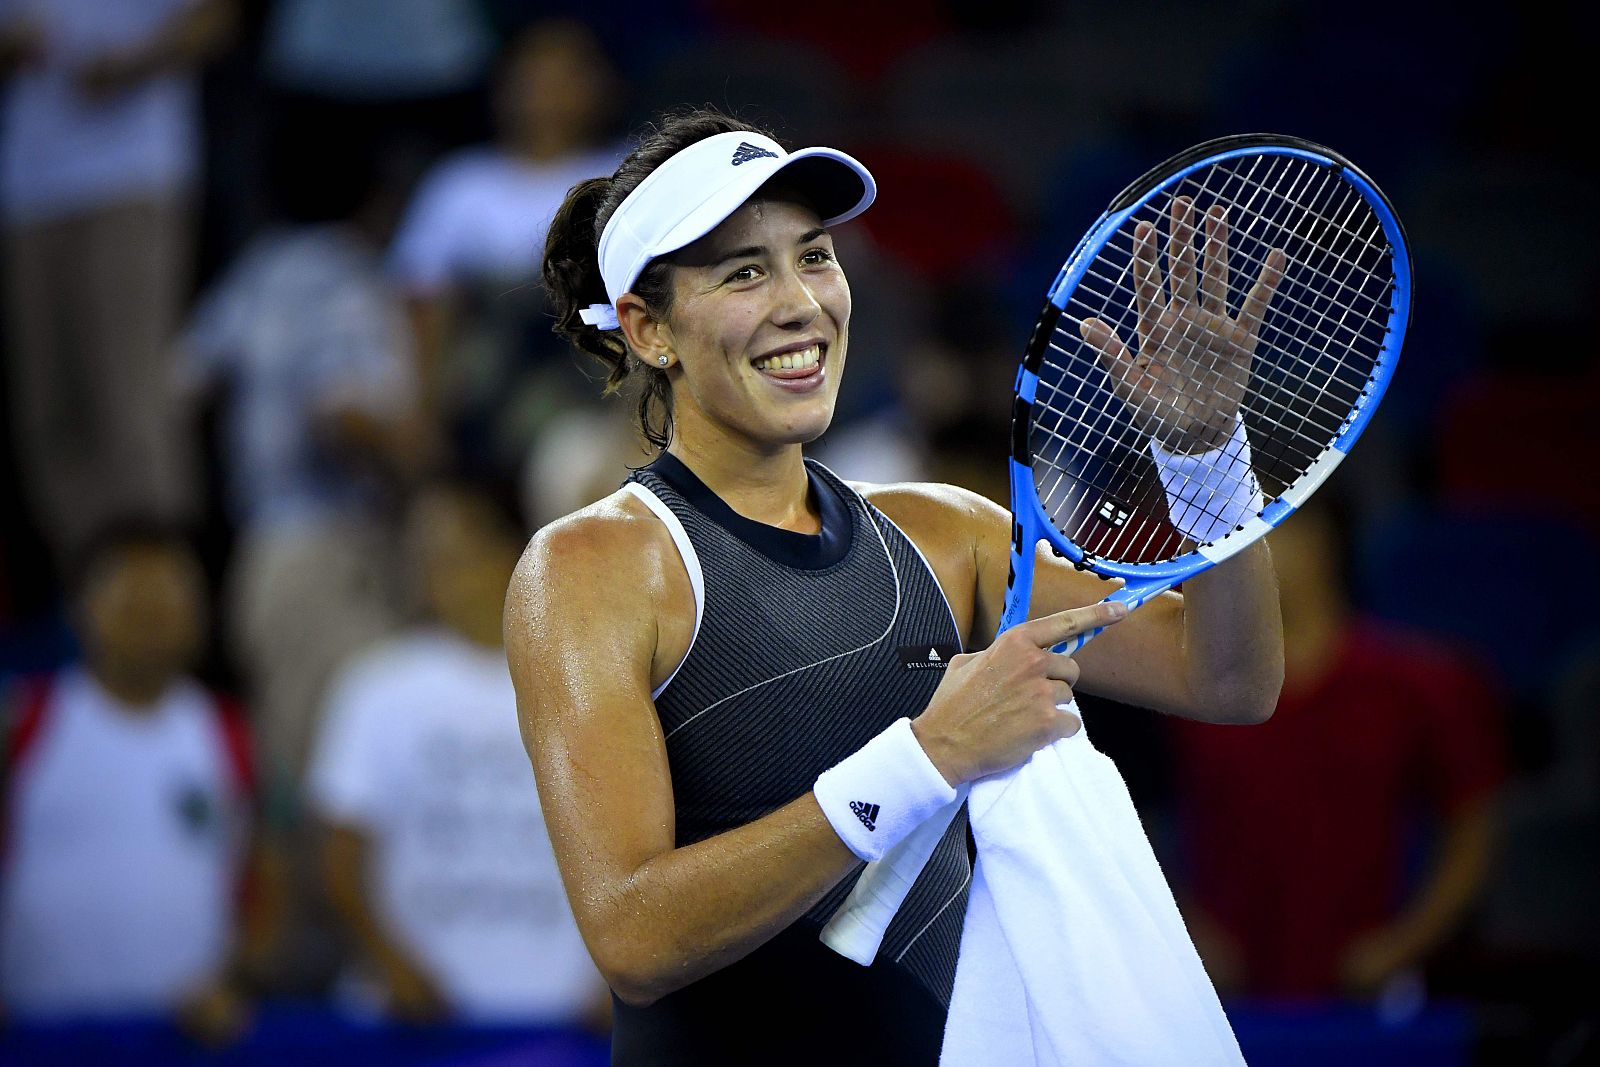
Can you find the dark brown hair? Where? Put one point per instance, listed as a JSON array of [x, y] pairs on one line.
[[572, 265]]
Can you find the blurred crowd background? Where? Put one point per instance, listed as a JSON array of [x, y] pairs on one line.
[[282, 405]]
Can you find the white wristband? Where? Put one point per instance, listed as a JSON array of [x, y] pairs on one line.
[[1210, 494], [879, 794]]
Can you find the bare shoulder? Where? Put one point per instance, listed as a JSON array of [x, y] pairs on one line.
[[573, 565], [934, 505], [618, 523]]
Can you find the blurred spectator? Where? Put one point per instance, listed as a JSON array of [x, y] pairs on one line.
[[467, 252], [126, 807], [483, 211], [304, 348], [582, 455], [1299, 835], [396, 70], [99, 148], [437, 858], [951, 409]]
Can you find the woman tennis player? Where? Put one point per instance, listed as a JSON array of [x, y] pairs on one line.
[[739, 676]]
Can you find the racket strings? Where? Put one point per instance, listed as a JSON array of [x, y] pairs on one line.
[[1305, 329], [1139, 540], [1306, 315], [1315, 352], [1376, 303]]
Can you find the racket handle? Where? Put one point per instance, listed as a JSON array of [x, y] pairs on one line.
[[1131, 595], [1072, 644], [857, 928]]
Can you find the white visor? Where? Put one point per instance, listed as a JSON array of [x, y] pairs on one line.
[[686, 197]]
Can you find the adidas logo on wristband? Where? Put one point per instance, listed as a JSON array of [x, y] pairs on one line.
[[867, 813]]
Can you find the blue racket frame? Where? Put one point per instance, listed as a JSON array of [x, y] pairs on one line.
[[1030, 524]]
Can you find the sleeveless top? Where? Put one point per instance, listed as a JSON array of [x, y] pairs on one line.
[[805, 647]]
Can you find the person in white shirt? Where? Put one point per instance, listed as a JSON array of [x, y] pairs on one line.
[[303, 351], [303, 348], [126, 809], [467, 250], [99, 155], [437, 858]]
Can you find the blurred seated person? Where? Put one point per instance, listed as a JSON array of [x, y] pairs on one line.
[[100, 149], [1299, 837], [436, 857], [302, 347], [467, 251], [127, 808]]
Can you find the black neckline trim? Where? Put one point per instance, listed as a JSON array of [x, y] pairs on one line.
[[804, 551]]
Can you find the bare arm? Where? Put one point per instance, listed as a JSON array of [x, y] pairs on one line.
[[412, 994], [581, 639], [585, 618], [1450, 886], [1213, 653]]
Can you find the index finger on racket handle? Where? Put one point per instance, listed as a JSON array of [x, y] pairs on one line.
[[1050, 631], [1076, 641]]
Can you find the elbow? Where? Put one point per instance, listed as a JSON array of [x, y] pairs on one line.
[[1254, 714], [633, 949], [1257, 704], [634, 972], [639, 987], [1253, 696], [1249, 705], [634, 985], [636, 996]]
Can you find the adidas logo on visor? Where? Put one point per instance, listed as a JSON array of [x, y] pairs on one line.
[[747, 151]]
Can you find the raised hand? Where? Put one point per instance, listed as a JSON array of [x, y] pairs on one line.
[[1185, 383]]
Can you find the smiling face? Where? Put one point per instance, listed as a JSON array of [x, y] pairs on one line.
[[758, 328]]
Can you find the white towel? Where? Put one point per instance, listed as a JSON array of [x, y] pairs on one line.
[[1074, 951]]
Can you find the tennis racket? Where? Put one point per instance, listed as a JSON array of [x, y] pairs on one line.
[[1280, 304]]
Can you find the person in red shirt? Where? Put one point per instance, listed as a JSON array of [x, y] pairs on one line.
[[1297, 834]]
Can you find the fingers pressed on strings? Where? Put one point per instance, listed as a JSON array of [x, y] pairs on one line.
[[1146, 275], [1180, 251], [1214, 282], [1105, 340], [1260, 295]]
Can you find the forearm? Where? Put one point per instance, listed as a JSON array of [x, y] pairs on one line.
[[344, 866], [693, 910], [1452, 882], [258, 916], [1233, 639]]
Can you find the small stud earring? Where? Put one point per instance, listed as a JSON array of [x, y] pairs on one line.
[[662, 360]]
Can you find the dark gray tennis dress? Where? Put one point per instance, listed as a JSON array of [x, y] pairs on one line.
[[807, 647]]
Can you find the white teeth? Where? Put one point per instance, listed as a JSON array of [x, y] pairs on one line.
[[808, 357]]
